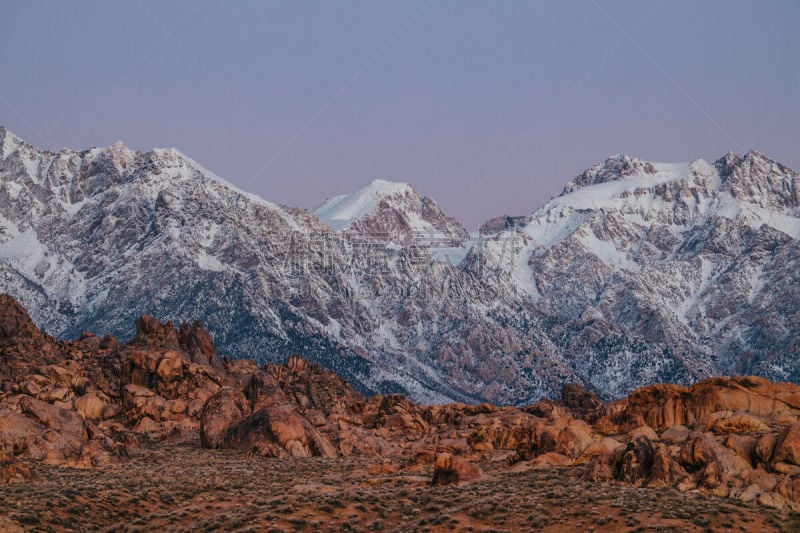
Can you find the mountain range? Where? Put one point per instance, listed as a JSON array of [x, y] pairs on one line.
[[638, 273]]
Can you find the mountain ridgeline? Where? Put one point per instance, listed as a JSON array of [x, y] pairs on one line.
[[637, 273]]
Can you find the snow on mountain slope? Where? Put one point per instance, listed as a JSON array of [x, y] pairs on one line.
[[92, 239], [392, 212], [340, 211], [656, 272], [638, 273]]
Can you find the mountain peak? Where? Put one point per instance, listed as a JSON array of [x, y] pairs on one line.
[[393, 212], [760, 180], [390, 187], [8, 142], [727, 163], [762, 161], [613, 168], [341, 211], [119, 149]]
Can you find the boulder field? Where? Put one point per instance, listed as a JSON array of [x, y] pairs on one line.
[[91, 401]]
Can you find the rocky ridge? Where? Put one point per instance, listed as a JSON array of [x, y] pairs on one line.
[[654, 272], [638, 273], [85, 231], [91, 402]]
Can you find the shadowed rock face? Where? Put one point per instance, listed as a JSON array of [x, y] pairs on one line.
[[88, 402]]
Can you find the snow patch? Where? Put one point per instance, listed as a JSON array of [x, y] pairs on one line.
[[757, 282], [607, 194], [23, 250], [207, 261], [695, 299], [607, 252], [14, 189], [31, 168], [522, 275], [450, 255], [73, 208], [552, 224]]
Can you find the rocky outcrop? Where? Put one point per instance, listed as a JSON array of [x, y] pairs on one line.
[[88, 403], [11, 471], [450, 469], [52, 395], [787, 447], [616, 167], [221, 412], [729, 437], [82, 403], [664, 406]]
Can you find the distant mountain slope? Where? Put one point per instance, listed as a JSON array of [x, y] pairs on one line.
[[639, 272], [92, 239], [651, 270]]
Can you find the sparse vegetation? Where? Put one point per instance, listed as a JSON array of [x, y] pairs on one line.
[[182, 487]]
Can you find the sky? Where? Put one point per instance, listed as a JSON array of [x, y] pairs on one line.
[[487, 107]]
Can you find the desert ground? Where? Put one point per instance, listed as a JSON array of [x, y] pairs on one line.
[[179, 486]]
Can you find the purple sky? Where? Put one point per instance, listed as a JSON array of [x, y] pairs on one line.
[[488, 107]]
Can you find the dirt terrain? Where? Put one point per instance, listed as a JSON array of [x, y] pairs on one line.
[[177, 486], [162, 432]]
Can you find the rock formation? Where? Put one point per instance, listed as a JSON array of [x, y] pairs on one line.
[[89, 402]]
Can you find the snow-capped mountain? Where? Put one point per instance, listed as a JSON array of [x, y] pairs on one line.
[[667, 272], [93, 239], [396, 215], [392, 212], [638, 272]]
